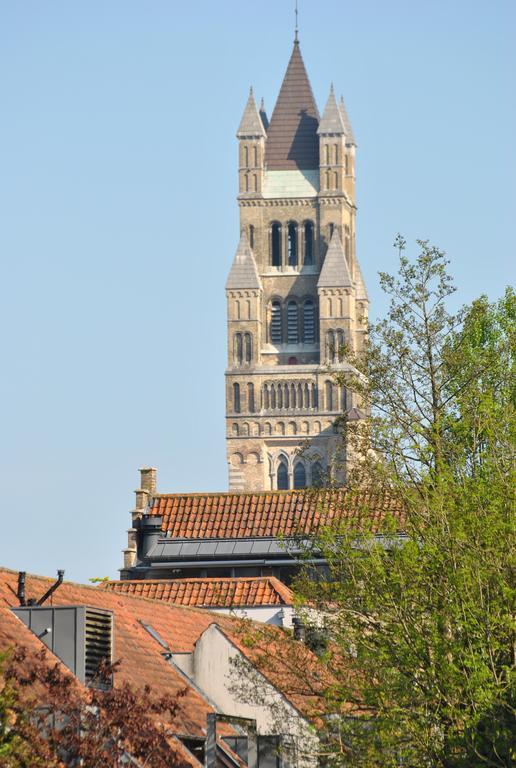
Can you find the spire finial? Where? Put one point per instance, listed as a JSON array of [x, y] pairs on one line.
[[331, 89], [296, 39], [250, 90]]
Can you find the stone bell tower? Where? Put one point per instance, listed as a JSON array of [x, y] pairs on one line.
[[295, 293]]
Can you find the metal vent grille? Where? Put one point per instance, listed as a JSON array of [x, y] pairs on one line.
[[98, 641], [309, 322]]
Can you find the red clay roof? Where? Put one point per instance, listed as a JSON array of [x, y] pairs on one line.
[[141, 656], [213, 592], [273, 513]]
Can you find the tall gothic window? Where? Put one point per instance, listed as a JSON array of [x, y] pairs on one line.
[[248, 347], [236, 398], [328, 395], [238, 349], [330, 346], [317, 474], [299, 475], [282, 477], [292, 243], [251, 235], [276, 244], [276, 335], [309, 322], [309, 242], [292, 323], [250, 398]]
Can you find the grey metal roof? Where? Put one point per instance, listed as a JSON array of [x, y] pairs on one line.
[[350, 137], [251, 123], [201, 549], [243, 273], [332, 120], [335, 272]]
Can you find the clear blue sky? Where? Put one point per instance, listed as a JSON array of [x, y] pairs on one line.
[[118, 221]]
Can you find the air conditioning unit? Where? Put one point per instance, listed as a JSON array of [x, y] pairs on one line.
[[81, 636]]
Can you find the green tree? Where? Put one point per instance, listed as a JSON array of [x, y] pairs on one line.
[[422, 623]]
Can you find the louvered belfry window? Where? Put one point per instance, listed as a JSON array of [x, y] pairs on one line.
[[292, 323], [276, 335], [309, 322], [98, 641]]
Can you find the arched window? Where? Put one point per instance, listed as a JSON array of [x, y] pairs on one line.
[[331, 227], [251, 235], [246, 156], [266, 398], [238, 349], [330, 346], [248, 347], [317, 474], [309, 243], [299, 475], [308, 322], [280, 396], [280, 428], [292, 323], [236, 398], [292, 428], [234, 430], [344, 399], [336, 153], [282, 477], [255, 182], [340, 345], [267, 428], [292, 243], [299, 395], [275, 330], [237, 309], [314, 396], [328, 395], [273, 396], [336, 180], [327, 153], [247, 182], [327, 177], [292, 395], [307, 396], [255, 155], [250, 398], [276, 244], [286, 396]]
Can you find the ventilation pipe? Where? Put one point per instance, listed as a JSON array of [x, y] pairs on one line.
[[299, 629]]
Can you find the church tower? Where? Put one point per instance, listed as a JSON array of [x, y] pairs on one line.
[[295, 293]]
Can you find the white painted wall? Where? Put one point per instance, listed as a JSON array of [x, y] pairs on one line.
[[220, 670], [279, 616]]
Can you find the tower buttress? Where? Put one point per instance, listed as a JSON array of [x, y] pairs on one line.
[[251, 135]]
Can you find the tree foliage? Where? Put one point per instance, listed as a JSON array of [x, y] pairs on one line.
[[48, 720], [424, 621]]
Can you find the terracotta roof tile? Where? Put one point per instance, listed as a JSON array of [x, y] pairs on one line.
[[141, 655], [274, 514], [208, 592]]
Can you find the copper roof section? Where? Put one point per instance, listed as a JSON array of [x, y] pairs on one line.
[[292, 141], [270, 514], [208, 592]]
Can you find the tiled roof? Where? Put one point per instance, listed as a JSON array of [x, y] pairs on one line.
[[269, 514], [213, 592], [292, 140], [243, 272], [251, 123], [141, 657], [335, 272], [331, 121]]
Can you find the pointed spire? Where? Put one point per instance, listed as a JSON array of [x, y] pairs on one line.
[[335, 272], [263, 114], [292, 141], [361, 293], [243, 273], [332, 121], [250, 124], [350, 138]]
